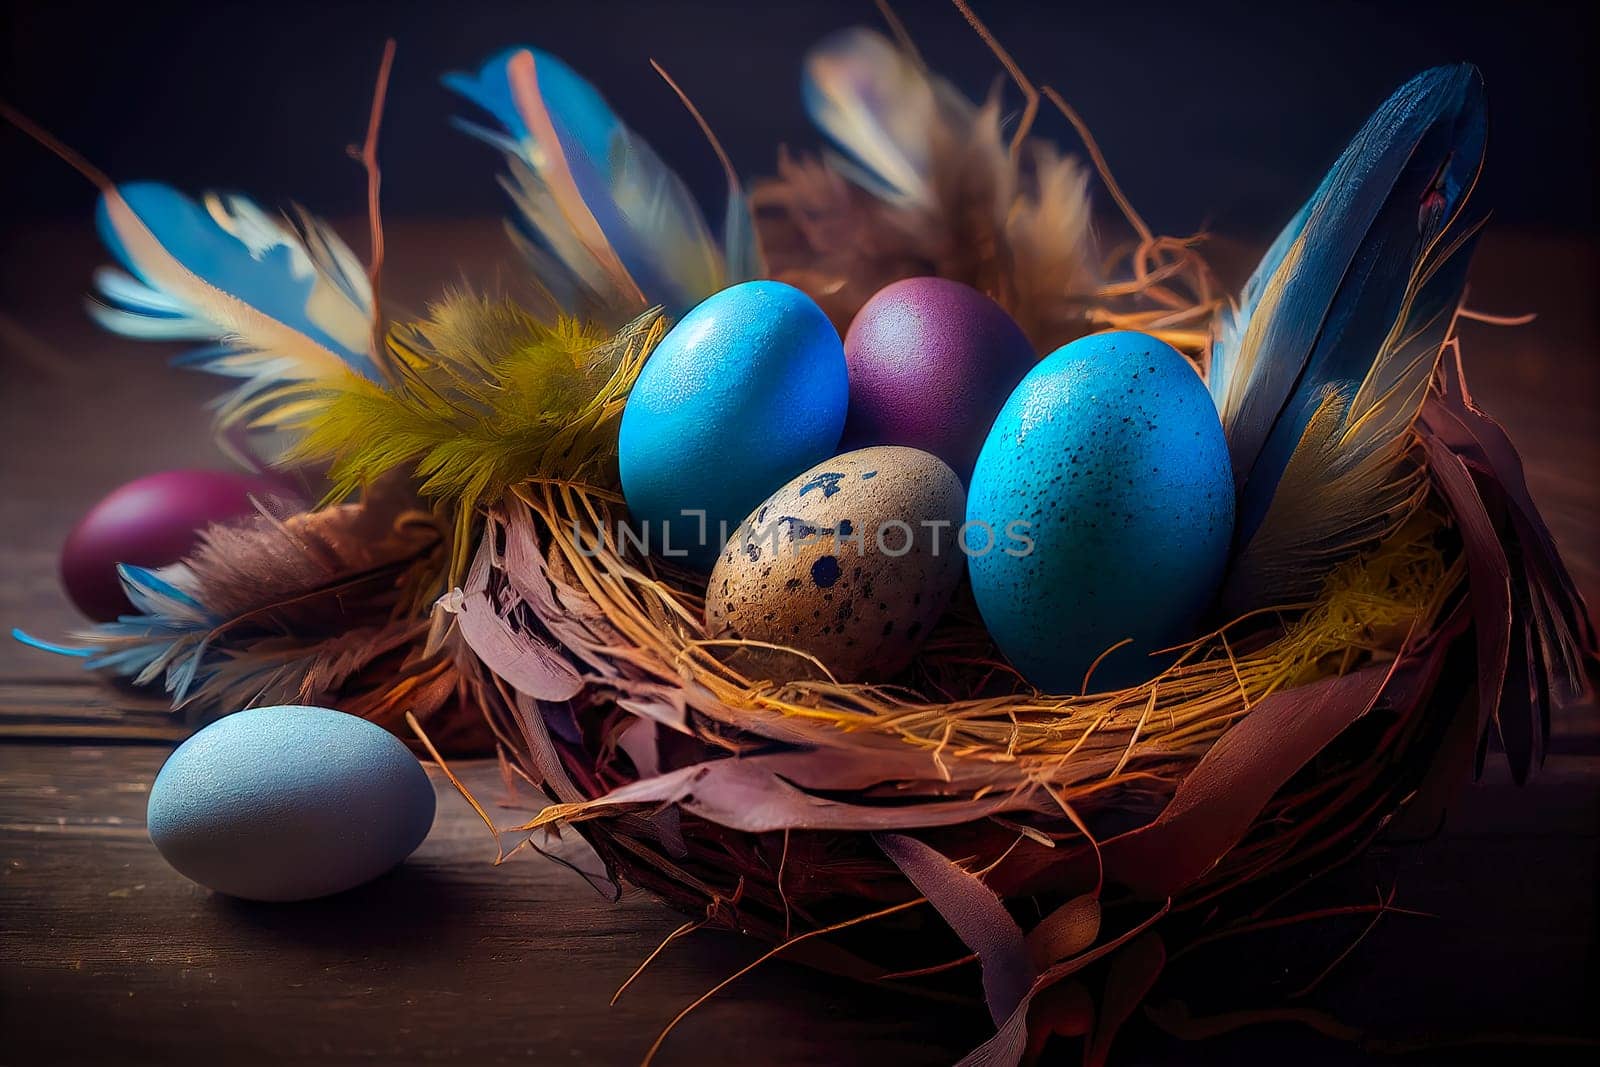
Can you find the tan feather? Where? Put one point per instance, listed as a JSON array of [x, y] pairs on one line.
[[1334, 498], [946, 197], [254, 331], [1350, 480]]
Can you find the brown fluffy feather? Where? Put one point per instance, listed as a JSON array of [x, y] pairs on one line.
[[1015, 227]]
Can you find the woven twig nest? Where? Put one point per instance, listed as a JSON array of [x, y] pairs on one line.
[[1045, 828]]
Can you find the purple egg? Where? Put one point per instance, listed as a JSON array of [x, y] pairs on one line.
[[931, 363], [150, 522]]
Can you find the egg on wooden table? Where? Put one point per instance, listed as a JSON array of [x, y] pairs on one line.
[[852, 562], [151, 522], [289, 803], [931, 362], [746, 391], [1112, 458]]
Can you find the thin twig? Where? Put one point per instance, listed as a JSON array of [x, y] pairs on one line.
[[687, 928], [1083, 828], [416, 728], [764, 957], [1293, 920], [1093, 148], [705, 128], [783, 861], [369, 160], [1377, 916], [1088, 674], [898, 29], [1031, 108], [1133, 738], [923, 972], [1495, 320], [70, 156]]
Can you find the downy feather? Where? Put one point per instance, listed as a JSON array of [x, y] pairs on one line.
[[878, 106], [272, 610], [486, 396], [921, 181]]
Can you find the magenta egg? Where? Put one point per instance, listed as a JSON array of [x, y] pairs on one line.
[[150, 522], [931, 363]]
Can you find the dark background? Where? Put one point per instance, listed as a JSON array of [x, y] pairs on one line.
[[1210, 112], [1214, 114]]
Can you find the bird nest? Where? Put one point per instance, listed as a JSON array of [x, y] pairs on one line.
[[1050, 831], [635, 721]]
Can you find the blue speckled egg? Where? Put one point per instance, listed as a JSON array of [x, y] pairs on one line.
[[746, 391], [1109, 468], [289, 803]]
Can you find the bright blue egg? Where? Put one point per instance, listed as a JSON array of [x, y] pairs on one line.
[[289, 803], [1106, 481], [746, 391]]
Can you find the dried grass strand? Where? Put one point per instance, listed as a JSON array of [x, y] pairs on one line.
[[767, 955], [369, 160]]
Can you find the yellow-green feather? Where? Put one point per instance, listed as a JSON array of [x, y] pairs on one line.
[[487, 396]]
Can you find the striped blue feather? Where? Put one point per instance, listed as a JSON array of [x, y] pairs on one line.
[[1337, 277]]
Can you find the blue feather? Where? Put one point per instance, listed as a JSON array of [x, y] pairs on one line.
[[490, 90], [274, 277], [587, 117], [1231, 322], [1316, 314], [166, 638], [153, 594], [603, 220], [28, 639], [878, 107], [287, 306]]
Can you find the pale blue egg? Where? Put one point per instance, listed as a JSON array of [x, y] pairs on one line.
[[1106, 482], [746, 391], [289, 803]]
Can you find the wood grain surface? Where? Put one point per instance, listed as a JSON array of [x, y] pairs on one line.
[[107, 955]]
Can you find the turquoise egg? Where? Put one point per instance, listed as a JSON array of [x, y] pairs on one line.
[[289, 803], [746, 391], [1106, 483]]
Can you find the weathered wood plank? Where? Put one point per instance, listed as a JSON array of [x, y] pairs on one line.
[[451, 957], [105, 953]]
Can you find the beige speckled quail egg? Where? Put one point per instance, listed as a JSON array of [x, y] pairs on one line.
[[853, 562]]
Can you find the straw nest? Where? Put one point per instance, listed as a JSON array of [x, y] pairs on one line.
[[964, 743], [963, 822], [834, 819]]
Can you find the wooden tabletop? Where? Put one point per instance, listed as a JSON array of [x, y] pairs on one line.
[[106, 954]]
